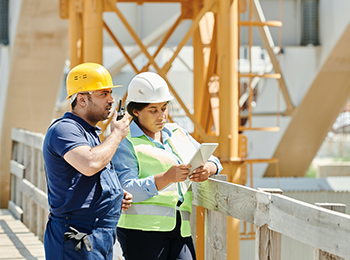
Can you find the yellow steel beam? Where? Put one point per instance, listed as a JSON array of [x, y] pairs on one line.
[[258, 23], [227, 22], [200, 61], [75, 32], [206, 110], [166, 38], [269, 45], [253, 75], [92, 31], [162, 71], [148, 41], [120, 46]]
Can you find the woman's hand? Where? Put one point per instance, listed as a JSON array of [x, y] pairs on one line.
[[127, 199], [176, 173], [202, 173]]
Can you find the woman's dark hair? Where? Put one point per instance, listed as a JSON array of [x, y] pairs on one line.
[[134, 105]]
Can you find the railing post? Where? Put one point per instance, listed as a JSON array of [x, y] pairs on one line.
[[215, 231], [268, 242], [318, 253]]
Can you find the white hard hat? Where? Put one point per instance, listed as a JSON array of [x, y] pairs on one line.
[[148, 87]]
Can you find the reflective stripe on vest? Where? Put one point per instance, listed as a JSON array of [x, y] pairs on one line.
[[140, 209]]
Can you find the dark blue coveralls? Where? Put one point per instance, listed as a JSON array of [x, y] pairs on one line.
[[89, 205]]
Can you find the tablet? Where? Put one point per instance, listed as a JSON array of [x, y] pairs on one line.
[[201, 156]]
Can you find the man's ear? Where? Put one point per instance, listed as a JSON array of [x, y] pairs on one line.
[[81, 100]]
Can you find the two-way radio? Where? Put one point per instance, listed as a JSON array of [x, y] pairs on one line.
[[121, 111]]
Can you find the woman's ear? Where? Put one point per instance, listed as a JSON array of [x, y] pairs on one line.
[[135, 112]]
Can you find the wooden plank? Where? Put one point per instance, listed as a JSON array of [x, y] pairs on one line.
[[193, 223], [339, 207], [27, 209], [215, 231], [268, 242], [17, 169], [309, 224], [13, 187], [31, 175], [234, 200], [17, 156], [18, 195], [16, 210], [262, 243], [37, 195], [41, 172], [26, 137], [215, 235], [320, 254]]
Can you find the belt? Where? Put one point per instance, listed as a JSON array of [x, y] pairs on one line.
[[86, 220]]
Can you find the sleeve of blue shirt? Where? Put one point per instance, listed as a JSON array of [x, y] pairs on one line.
[[126, 166], [65, 136]]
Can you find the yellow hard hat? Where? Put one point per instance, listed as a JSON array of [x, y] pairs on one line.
[[88, 77]]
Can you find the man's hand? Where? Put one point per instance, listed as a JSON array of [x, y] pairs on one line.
[[121, 126], [126, 200]]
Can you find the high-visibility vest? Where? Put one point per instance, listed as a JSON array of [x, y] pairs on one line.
[[159, 212]]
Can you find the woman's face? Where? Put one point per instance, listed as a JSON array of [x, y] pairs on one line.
[[153, 117]]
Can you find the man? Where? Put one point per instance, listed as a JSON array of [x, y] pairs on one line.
[[84, 193]]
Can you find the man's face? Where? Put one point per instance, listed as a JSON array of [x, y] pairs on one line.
[[99, 105]]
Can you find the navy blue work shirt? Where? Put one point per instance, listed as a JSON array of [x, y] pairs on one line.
[[69, 191]]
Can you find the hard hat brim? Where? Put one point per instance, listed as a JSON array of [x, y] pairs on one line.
[[150, 101], [116, 86]]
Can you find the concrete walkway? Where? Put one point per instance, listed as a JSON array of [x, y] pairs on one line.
[[16, 241]]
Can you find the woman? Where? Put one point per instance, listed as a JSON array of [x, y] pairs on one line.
[[157, 225]]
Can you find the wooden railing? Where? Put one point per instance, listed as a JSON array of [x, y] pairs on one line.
[[321, 228], [28, 183]]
